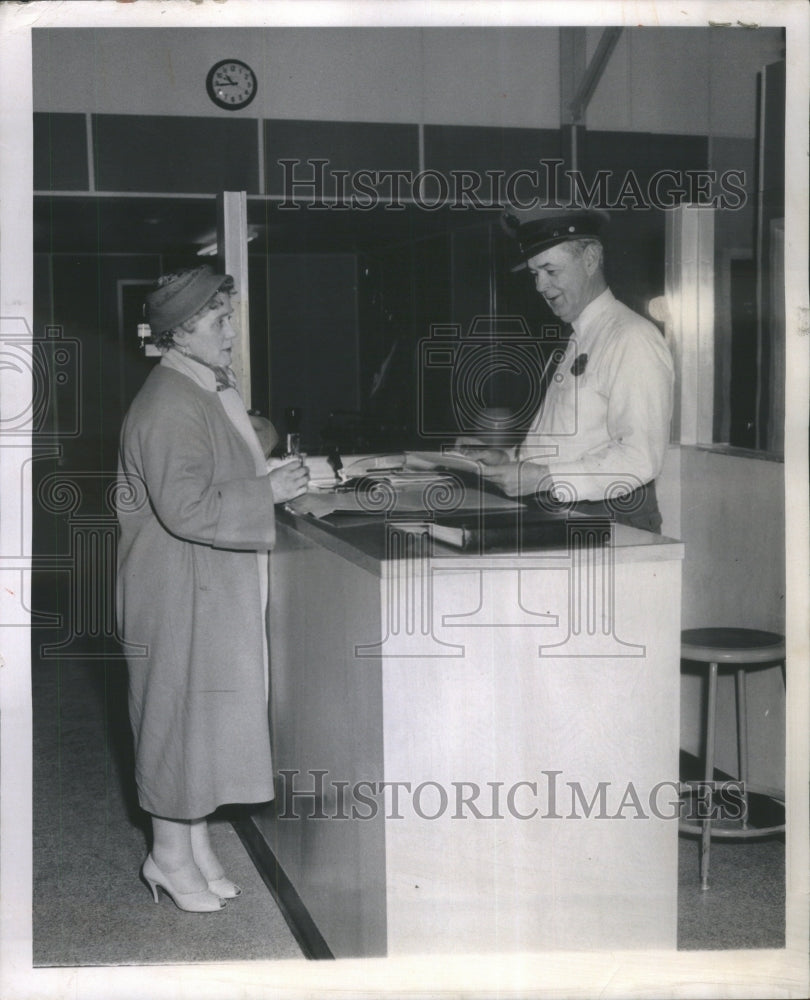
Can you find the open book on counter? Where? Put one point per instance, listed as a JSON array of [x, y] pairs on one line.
[[440, 494], [405, 482]]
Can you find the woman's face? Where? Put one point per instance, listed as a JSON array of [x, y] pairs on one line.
[[213, 336]]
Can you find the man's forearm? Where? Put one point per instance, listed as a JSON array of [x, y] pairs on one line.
[[519, 479]]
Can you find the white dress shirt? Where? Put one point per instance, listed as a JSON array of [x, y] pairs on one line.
[[604, 432]]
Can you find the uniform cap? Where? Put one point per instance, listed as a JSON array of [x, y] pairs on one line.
[[539, 229]]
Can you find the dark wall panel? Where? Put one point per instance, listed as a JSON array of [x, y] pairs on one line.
[[60, 152], [431, 295], [175, 154], [105, 225], [454, 148], [259, 267], [87, 291], [312, 302], [634, 240], [351, 146]]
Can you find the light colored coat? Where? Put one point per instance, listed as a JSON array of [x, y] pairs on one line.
[[188, 589]]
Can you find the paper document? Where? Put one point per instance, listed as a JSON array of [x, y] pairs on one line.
[[452, 461]]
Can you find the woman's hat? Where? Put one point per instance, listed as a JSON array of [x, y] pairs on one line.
[[177, 300], [539, 229]]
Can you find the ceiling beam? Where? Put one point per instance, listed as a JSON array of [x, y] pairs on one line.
[[232, 258]]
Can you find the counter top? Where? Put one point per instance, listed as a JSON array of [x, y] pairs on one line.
[[361, 539]]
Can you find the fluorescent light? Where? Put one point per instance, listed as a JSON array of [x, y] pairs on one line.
[[210, 249]]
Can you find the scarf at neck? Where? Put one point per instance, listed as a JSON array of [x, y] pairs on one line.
[[224, 375]]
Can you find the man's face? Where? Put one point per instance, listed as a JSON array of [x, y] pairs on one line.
[[564, 278], [213, 336]]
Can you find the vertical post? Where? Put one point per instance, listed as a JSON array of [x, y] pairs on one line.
[[775, 422], [708, 774], [232, 258], [689, 281], [770, 206], [572, 71]]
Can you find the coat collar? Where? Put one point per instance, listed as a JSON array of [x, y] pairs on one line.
[[197, 372]]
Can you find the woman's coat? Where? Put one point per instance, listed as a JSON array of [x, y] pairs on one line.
[[193, 513]]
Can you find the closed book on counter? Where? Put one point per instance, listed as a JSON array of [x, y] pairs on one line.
[[510, 531]]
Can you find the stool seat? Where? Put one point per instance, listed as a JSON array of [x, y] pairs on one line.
[[732, 645]]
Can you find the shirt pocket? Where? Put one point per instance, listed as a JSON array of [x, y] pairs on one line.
[[591, 408]]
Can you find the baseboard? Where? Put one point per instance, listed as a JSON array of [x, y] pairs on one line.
[[765, 805], [303, 927]]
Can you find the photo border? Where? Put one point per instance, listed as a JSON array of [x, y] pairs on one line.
[[617, 974]]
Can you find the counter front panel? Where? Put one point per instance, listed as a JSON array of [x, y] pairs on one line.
[[476, 752]]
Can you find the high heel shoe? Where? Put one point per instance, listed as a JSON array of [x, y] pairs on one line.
[[224, 888], [202, 901]]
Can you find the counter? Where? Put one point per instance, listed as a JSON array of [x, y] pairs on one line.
[[474, 753]]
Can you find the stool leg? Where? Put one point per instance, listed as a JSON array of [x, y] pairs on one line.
[[742, 741], [706, 833]]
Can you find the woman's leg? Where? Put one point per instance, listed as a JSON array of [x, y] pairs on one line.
[[172, 853], [202, 851], [208, 863], [171, 865]]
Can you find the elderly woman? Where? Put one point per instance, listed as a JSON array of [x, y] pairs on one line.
[[197, 522]]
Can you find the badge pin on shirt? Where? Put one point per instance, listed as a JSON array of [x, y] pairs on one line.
[[578, 367]]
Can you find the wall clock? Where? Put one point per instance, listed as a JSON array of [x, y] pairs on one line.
[[231, 84]]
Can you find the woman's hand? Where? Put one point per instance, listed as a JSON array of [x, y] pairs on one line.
[[289, 480]]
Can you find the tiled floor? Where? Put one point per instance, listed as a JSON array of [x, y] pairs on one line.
[[744, 906], [90, 908]]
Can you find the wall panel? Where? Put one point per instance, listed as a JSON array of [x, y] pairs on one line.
[[60, 152], [350, 146], [175, 154]]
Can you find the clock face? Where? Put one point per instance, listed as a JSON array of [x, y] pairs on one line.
[[231, 84]]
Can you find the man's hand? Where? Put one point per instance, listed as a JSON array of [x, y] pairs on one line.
[[518, 479], [289, 480], [478, 451]]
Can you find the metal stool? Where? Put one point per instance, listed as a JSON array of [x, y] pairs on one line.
[[742, 649]]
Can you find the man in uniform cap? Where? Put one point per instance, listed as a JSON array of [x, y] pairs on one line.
[[600, 436]]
